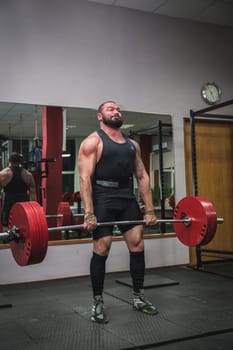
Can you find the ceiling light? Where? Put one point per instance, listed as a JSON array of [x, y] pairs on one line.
[[65, 154], [70, 126], [127, 126]]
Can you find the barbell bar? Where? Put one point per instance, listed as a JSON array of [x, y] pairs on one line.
[[194, 221], [67, 217], [16, 234], [185, 221], [62, 215]]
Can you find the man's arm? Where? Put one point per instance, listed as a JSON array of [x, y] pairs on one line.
[[144, 186], [32, 190], [30, 182], [5, 177], [1, 178], [87, 159]]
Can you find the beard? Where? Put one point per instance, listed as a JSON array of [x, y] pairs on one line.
[[112, 123]]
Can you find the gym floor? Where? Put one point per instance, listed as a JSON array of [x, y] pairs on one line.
[[195, 312]]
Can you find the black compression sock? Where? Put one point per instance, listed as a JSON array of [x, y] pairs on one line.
[[97, 271], [137, 270]]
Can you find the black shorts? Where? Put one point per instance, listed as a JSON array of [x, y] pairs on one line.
[[115, 209]]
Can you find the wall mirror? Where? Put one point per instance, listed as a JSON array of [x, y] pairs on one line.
[[21, 131]]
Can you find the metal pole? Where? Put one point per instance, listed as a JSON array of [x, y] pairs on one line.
[[194, 175], [212, 108], [194, 155], [61, 215], [161, 175]]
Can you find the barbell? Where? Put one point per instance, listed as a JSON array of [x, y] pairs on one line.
[[194, 221], [65, 216]]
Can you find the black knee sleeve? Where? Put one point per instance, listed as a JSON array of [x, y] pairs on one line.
[[97, 271], [137, 270]]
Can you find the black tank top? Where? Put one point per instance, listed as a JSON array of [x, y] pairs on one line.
[[16, 189], [116, 164]]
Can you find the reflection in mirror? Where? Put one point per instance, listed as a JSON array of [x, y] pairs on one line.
[[21, 131]]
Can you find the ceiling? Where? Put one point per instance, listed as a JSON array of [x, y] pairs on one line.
[[206, 11], [24, 120]]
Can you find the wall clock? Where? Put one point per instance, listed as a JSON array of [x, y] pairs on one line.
[[211, 93]]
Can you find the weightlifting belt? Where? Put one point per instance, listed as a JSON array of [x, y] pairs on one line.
[[122, 183]]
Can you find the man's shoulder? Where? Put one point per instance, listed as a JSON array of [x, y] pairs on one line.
[[6, 175], [24, 171], [6, 170], [90, 144], [93, 137]]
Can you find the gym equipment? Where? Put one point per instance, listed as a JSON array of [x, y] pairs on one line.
[[65, 216], [195, 222]]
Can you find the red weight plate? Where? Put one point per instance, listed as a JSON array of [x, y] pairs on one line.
[[78, 220], [76, 197], [212, 220], [66, 197], [66, 216], [28, 250], [42, 237], [21, 216], [203, 221]]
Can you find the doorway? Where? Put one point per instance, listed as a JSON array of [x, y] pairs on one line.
[[214, 156]]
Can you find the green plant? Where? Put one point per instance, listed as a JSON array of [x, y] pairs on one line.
[[156, 194]]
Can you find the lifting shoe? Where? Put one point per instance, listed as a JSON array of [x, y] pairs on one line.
[[98, 313], [143, 305]]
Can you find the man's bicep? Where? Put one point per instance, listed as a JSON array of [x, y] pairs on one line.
[[86, 166], [139, 169], [87, 158], [32, 183], [138, 163]]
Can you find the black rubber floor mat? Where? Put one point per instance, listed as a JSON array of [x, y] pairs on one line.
[[4, 302], [223, 269], [154, 281]]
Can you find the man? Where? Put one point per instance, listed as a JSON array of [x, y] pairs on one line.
[[107, 162], [18, 186]]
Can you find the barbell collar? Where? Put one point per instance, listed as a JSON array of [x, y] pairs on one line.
[[4, 235], [220, 220], [11, 235]]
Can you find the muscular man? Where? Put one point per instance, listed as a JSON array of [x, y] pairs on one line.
[[107, 162], [18, 186]]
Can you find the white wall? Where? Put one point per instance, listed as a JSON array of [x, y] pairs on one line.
[[74, 260], [76, 53]]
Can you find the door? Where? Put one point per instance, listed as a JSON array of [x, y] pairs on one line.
[[214, 155]]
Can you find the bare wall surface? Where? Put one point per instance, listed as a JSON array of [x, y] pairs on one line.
[[74, 260], [78, 53]]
